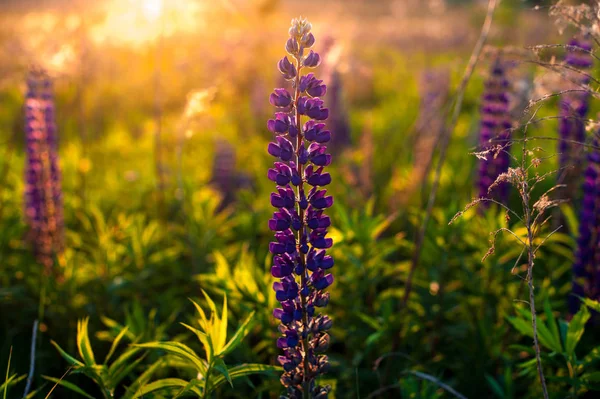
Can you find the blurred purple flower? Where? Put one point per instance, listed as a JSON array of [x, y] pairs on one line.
[[586, 269], [225, 177], [573, 107], [494, 134], [43, 192], [300, 225]]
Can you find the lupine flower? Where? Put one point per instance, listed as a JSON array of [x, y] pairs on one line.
[[586, 269], [573, 108], [300, 259], [494, 133], [43, 194], [225, 177]]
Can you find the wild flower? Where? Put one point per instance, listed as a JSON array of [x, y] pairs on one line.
[[574, 106], [43, 193], [494, 134], [225, 177], [586, 269], [300, 224]]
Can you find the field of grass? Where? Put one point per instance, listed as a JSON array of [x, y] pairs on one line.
[[161, 114]]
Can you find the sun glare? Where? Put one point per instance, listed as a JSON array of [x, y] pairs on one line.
[[140, 21], [152, 9]]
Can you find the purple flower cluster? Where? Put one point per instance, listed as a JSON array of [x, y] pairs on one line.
[[586, 269], [43, 193], [574, 107], [300, 260], [494, 133]]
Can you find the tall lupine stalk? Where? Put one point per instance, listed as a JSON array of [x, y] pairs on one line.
[[300, 225], [586, 269], [574, 106], [43, 194], [494, 134]]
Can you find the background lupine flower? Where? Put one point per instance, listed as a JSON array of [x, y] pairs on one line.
[[494, 134], [43, 194], [300, 225], [226, 178], [586, 269], [573, 109]]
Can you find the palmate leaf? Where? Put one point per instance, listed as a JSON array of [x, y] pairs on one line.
[[523, 324], [204, 338], [69, 385], [242, 370], [168, 384], [239, 335]]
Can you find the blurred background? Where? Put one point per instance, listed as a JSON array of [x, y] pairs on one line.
[[161, 110]]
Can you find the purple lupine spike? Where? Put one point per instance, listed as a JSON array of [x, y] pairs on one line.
[[586, 268], [300, 261], [573, 107], [43, 192], [494, 134]]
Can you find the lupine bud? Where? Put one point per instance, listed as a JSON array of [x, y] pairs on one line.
[[43, 193], [287, 69], [312, 60], [280, 98], [494, 133], [300, 225]]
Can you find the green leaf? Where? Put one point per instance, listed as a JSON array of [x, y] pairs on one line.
[[115, 343], [239, 335], [167, 383], [70, 359], [495, 386], [523, 326], [591, 377], [242, 371], [223, 333], [12, 380], [180, 350], [124, 372], [83, 342], [68, 385], [34, 393], [594, 305], [576, 330], [120, 363], [552, 326], [143, 378], [204, 338], [221, 367], [192, 384]]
